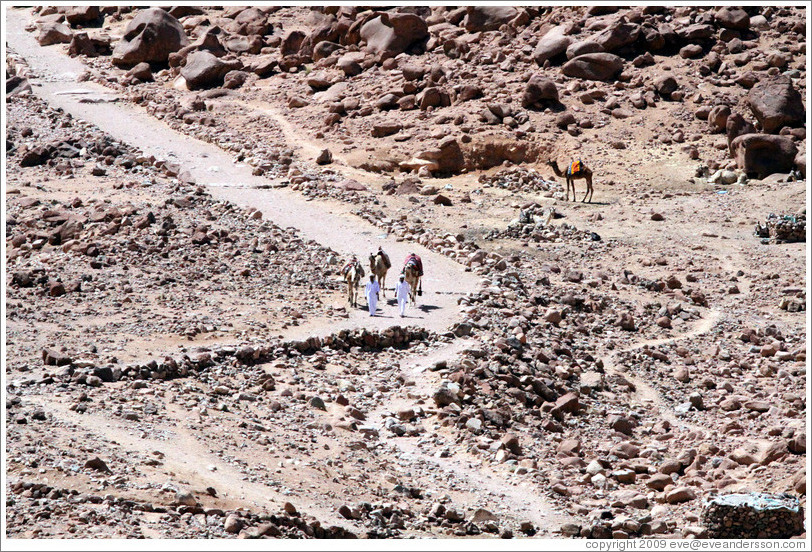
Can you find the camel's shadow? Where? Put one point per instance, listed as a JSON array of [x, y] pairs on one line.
[[603, 203]]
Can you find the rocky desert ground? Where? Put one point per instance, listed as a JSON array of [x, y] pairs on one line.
[[183, 185]]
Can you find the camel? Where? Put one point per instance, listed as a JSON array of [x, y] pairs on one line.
[[413, 279], [585, 173], [377, 266], [353, 277]]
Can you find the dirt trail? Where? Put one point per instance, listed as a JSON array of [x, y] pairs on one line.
[[329, 223], [521, 501], [185, 456], [645, 392]]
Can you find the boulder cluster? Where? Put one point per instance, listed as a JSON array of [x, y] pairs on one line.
[[525, 71]]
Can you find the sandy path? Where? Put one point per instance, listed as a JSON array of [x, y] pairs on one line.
[[331, 224]]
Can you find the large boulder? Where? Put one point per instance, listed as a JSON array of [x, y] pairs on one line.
[[552, 44], [80, 15], [764, 154], [717, 118], [696, 32], [83, 44], [775, 104], [54, 33], [433, 97], [327, 32], [391, 34], [252, 21], [583, 47], [291, 43], [204, 70], [151, 36], [732, 17], [539, 91], [617, 35], [598, 66], [239, 44], [351, 63], [487, 18], [209, 41], [736, 126]]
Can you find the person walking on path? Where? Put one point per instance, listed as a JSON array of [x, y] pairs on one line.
[[371, 291], [402, 294]]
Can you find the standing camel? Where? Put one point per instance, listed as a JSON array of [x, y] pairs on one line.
[[413, 278], [353, 277], [571, 176], [377, 266]]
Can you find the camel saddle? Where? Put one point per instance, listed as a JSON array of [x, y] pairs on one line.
[[416, 262], [356, 264], [575, 168], [386, 262]]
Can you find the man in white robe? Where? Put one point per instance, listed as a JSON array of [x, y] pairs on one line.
[[402, 294], [371, 291]]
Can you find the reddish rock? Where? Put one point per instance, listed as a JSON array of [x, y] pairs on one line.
[[680, 494], [659, 481], [598, 66], [487, 18], [539, 91], [391, 34], [151, 36], [732, 17], [775, 103], [552, 44], [54, 33], [764, 154]]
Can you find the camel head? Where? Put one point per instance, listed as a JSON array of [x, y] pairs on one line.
[[552, 163]]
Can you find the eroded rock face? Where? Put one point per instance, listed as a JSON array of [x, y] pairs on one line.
[[150, 37], [775, 103], [391, 34], [764, 154], [598, 66]]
